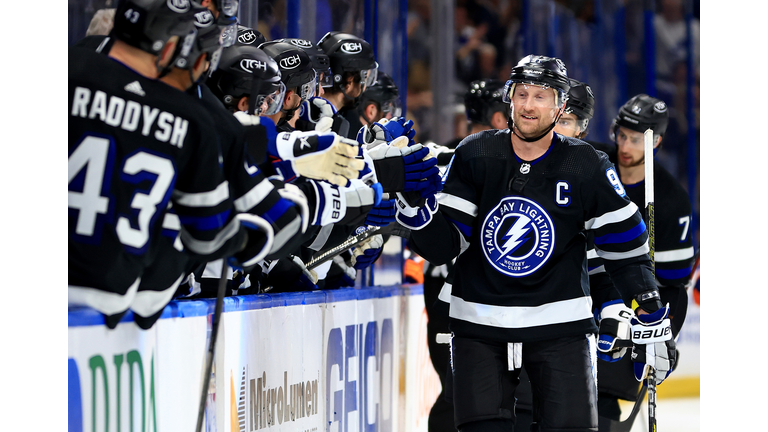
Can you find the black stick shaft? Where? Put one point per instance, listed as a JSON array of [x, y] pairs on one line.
[[212, 344]]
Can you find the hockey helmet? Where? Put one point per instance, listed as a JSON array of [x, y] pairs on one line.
[[349, 53], [149, 24], [542, 71], [385, 93], [640, 113], [320, 61], [482, 99], [205, 38], [244, 68], [295, 67], [249, 36]]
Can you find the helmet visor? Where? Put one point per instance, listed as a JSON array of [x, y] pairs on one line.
[[391, 108], [533, 95], [228, 7], [270, 102], [228, 35], [215, 57], [368, 76], [307, 90]]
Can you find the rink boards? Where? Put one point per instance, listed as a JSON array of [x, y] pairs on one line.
[[344, 361]]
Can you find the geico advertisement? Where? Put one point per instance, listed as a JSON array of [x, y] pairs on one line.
[[271, 370], [128, 379], [361, 368]]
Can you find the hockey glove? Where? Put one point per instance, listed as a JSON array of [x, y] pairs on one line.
[[259, 134], [406, 169], [413, 217], [327, 157], [318, 111], [614, 327], [367, 252], [382, 214], [289, 274], [385, 131], [346, 278], [360, 199], [653, 345], [259, 242], [293, 194]]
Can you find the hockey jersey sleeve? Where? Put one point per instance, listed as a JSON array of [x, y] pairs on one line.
[[203, 202], [451, 228], [620, 235]]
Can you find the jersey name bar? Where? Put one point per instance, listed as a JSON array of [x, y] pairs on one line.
[[117, 112]]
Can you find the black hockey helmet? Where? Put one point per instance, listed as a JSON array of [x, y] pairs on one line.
[[295, 67], [581, 100], [243, 68], [205, 38], [349, 53], [640, 113], [249, 36], [149, 24], [541, 71], [320, 61], [483, 98], [384, 93]]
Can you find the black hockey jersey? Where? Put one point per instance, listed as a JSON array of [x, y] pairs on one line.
[[522, 275], [136, 144]]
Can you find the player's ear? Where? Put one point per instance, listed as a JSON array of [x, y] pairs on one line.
[[371, 112], [658, 142], [498, 121], [242, 104]]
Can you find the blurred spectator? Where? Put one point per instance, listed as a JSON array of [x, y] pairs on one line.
[[101, 23], [671, 34], [475, 56], [512, 50]]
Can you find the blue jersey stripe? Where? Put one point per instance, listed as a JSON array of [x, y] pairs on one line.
[[673, 274], [195, 223], [277, 210], [622, 237], [465, 229]]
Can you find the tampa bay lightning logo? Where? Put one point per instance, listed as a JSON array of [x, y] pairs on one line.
[[517, 236]]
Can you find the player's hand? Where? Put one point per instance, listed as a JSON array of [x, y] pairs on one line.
[[385, 131], [406, 168], [289, 274], [412, 214], [653, 344], [382, 214], [293, 194], [318, 111], [258, 244], [367, 252], [614, 328], [360, 199], [327, 157]]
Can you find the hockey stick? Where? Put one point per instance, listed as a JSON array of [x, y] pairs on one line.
[[212, 344], [328, 254], [606, 424], [649, 203]]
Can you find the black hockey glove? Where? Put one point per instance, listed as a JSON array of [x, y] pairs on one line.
[[258, 244]]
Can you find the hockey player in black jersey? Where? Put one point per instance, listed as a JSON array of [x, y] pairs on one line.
[[513, 211], [354, 69], [299, 77], [618, 376], [136, 145]]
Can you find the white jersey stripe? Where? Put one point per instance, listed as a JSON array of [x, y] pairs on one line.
[[457, 203], [203, 199], [208, 247], [522, 316], [674, 255], [108, 303], [619, 215], [644, 249], [597, 270], [253, 196]]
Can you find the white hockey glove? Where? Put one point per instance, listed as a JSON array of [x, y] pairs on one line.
[[293, 194], [364, 254], [410, 214], [319, 112], [614, 328], [653, 345], [385, 131], [327, 157]]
